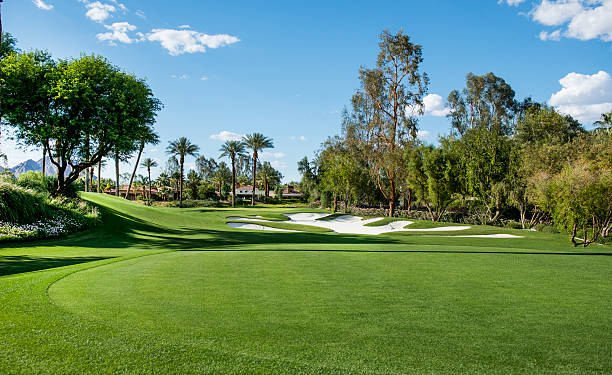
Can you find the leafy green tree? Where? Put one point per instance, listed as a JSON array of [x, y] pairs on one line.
[[379, 118], [544, 125], [433, 175], [233, 150], [181, 148], [580, 199], [193, 183], [222, 177], [487, 101], [485, 161], [206, 167], [78, 110], [149, 163], [256, 142], [605, 122], [268, 176]]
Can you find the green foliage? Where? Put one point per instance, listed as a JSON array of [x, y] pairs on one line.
[[544, 125], [21, 206], [486, 102]]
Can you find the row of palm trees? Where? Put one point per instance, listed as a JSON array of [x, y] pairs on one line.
[[232, 149]]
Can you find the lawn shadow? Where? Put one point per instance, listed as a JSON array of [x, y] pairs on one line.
[[10, 265]]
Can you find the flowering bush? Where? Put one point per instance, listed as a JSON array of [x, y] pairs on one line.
[[26, 214]]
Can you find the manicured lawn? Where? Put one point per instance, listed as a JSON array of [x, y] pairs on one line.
[[164, 290]]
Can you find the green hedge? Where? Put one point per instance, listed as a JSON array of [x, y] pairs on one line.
[[20, 205]]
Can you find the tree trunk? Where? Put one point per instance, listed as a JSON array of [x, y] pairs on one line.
[[149, 171], [91, 176], [99, 172], [254, 172], [335, 202], [135, 168], [392, 198], [233, 182], [44, 159], [117, 175], [181, 183], [409, 200]]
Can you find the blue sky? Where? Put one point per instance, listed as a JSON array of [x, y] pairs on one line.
[[286, 69]]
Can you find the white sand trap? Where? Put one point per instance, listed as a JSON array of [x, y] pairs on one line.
[[347, 224], [258, 227]]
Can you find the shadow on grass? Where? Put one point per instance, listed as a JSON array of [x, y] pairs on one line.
[[120, 230], [10, 265]]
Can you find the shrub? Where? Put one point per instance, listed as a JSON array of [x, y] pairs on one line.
[[19, 205], [545, 228], [513, 225]]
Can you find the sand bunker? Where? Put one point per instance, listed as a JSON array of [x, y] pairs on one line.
[[346, 224], [258, 227]]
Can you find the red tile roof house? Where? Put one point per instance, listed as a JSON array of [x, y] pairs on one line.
[[247, 192], [291, 192]]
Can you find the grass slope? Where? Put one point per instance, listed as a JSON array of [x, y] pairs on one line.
[[160, 290]]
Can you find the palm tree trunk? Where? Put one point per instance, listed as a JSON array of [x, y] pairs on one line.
[[149, 170], [181, 183], [254, 173], [0, 44], [233, 180], [142, 144], [117, 174]]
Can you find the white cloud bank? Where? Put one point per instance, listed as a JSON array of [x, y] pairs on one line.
[[42, 5], [227, 136], [177, 42], [578, 19], [98, 11], [119, 33], [272, 155], [433, 105], [583, 96]]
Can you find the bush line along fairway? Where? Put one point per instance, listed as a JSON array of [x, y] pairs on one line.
[[162, 290]]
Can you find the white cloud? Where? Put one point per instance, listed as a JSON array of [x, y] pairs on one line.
[[511, 2], [555, 35], [302, 138], [203, 78], [227, 136], [579, 19], [140, 13], [184, 27], [180, 76], [278, 164], [99, 12], [188, 41], [433, 105], [583, 96], [119, 32], [592, 23], [272, 155], [424, 134], [42, 5], [555, 13]]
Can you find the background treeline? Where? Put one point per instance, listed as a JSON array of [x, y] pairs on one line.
[[505, 160]]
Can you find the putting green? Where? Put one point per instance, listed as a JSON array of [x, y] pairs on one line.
[[177, 291]]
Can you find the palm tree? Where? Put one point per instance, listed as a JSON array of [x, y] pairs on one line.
[[606, 121], [256, 142], [233, 149], [147, 136], [149, 163], [182, 147]]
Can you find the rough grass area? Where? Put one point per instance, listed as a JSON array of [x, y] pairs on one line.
[[162, 290]]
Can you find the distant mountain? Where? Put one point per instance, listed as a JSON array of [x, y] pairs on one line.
[[36, 166]]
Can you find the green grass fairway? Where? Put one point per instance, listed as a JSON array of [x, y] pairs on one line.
[[171, 291]]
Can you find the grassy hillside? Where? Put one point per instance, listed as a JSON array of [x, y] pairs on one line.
[[164, 290]]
